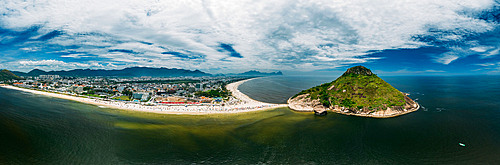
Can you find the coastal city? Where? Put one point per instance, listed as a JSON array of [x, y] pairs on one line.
[[225, 82], [206, 94]]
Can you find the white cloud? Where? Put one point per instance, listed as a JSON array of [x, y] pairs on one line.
[[492, 53], [409, 72], [447, 58], [492, 68], [42, 62], [275, 34], [434, 71], [30, 49], [481, 49], [48, 65], [76, 55], [469, 48], [486, 64], [487, 51]]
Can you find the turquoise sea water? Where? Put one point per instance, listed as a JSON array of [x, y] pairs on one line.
[[36, 129]]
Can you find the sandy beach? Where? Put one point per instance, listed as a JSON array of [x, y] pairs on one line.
[[239, 103]]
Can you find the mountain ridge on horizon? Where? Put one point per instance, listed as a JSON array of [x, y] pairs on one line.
[[138, 72], [257, 73]]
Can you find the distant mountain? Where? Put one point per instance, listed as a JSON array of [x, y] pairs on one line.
[[6, 75], [127, 72], [257, 73]]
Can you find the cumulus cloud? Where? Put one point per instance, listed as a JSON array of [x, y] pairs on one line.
[[241, 35], [54, 64]]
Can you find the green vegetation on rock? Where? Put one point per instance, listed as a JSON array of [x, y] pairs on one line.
[[6, 75], [358, 88]]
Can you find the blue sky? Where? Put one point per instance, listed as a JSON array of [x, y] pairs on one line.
[[405, 37]]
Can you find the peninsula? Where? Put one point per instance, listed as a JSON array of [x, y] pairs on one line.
[[357, 92]]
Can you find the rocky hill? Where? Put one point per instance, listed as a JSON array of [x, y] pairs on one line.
[[357, 92], [6, 75]]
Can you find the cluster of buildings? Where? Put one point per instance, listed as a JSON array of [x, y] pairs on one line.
[[175, 90]]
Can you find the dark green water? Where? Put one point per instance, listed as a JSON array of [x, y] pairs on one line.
[[41, 130]]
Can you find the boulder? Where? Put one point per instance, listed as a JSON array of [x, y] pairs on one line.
[[320, 112]]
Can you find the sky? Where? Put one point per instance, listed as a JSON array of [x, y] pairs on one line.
[[403, 37]]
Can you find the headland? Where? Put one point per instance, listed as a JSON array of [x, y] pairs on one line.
[[357, 92]]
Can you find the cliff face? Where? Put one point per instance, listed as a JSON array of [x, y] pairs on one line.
[[305, 103], [358, 91]]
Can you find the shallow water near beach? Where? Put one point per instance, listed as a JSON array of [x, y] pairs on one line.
[[36, 129]]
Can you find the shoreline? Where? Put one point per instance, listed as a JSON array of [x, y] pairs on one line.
[[233, 87], [377, 116], [244, 103], [294, 107]]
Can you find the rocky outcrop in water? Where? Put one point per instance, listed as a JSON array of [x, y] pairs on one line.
[[320, 112], [357, 92]]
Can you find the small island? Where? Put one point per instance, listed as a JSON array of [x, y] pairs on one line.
[[357, 92]]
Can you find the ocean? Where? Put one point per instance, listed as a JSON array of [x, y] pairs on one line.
[[455, 110]]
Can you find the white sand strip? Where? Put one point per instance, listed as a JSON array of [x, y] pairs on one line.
[[242, 103]]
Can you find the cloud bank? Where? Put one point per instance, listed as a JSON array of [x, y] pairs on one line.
[[225, 36]]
